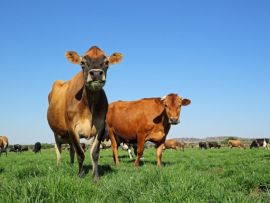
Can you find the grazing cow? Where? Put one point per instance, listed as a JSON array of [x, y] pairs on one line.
[[213, 145], [143, 120], [263, 142], [78, 107], [202, 145], [3, 144], [236, 143], [173, 144], [15, 148], [37, 147]]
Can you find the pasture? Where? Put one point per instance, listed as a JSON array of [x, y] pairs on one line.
[[194, 175]]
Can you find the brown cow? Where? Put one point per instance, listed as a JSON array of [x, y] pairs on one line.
[[236, 143], [143, 120], [3, 144], [78, 107], [173, 144]]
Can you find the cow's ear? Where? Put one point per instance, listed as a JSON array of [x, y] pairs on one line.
[[73, 57], [185, 102], [115, 58]]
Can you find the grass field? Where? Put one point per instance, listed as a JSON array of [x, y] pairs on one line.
[[192, 176]]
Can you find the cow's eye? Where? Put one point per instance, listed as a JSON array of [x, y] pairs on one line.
[[82, 63]]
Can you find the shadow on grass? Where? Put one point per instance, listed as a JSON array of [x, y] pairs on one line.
[[103, 169], [143, 162], [2, 170], [267, 156]]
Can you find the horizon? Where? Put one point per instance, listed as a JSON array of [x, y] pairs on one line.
[[215, 53]]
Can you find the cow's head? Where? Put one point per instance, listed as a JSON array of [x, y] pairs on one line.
[[172, 104], [94, 66]]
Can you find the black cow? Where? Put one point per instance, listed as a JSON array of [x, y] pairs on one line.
[[15, 148], [202, 145], [262, 142], [213, 145], [37, 147]]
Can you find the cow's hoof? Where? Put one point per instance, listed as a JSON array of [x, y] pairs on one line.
[[81, 174], [96, 179]]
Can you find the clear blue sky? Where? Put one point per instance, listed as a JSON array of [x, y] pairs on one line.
[[216, 53]]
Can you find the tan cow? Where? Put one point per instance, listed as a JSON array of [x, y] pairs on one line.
[[78, 107], [236, 143], [173, 144], [143, 120], [3, 144]]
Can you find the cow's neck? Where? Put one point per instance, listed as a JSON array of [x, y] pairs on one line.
[[91, 98]]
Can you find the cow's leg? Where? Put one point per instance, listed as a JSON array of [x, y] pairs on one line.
[[159, 153], [57, 147], [95, 154], [140, 149], [130, 153], [114, 147], [71, 153], [79, 151]]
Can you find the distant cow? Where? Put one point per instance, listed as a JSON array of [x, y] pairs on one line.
[[236, 143], [15, 148], [173, 144], [37, 147], [259, 143], [213, 145], [202, 145], [77, 108], [106, 144], [143, 120], [3, 144], [128, 146]]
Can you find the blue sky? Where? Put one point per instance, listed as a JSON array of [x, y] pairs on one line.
[[216, 53]]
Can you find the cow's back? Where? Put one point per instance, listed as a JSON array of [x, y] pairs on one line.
[[128, 118]]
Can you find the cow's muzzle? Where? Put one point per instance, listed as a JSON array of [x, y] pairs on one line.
[[96, 79], [97, 75], [174, 121]]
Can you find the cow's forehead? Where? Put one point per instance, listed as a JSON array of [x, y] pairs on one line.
[[95, 53], [173, 97]]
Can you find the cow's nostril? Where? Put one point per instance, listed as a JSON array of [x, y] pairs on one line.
[[101, 73], [91, 73]]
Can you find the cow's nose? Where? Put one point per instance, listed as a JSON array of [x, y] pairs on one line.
[[174, 120], [96, 74]]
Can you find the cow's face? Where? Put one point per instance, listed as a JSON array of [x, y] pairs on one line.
[[172, 104], [94, 66]]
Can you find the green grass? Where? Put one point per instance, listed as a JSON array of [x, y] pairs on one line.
[[192, 176]]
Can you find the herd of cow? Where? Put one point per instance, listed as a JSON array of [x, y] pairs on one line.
[[79, 108], [17, 147]]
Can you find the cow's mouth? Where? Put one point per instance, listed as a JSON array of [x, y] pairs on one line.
[[95, 85]]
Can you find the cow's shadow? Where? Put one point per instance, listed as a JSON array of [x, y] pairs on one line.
[[102, 169], [267, 156], [2, 170], [152, 162]]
